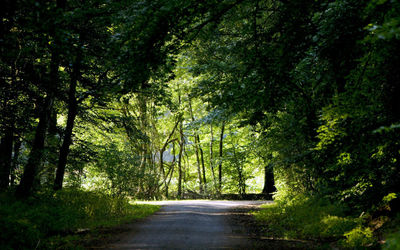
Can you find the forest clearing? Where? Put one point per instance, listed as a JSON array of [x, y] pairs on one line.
[[290, 105]]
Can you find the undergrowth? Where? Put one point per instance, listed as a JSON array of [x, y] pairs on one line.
[[50, 221], [327, 223]]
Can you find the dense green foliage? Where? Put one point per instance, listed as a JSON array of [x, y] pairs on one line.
[[167, 98], [320, 87], [52, 221]]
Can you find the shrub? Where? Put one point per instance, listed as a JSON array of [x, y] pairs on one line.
[[358, 238]]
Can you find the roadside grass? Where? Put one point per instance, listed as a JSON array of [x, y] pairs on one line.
[[392, 234], [323, 222], [315, 220], [56, 221]]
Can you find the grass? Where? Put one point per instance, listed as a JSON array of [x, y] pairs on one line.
[[321, 221], [50, 221], [315, 220]]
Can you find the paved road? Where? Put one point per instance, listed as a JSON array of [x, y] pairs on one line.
[[187, 225]]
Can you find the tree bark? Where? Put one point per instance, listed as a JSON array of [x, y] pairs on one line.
[[72, 112], [239, 168], [202, 164], [196, 147], [181, 142], [212, 157], [269, 181], [221, 138], [171, 171], [36, 154], [17, 147], [6, 146]]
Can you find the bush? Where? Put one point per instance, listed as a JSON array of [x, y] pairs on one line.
[[358, 238]]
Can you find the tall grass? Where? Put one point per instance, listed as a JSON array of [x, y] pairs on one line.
[[314, 219], [27, 224]]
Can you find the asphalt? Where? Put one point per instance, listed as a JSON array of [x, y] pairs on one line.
[[198, 224]]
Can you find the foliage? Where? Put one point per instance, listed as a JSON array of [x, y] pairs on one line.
[[328, 223], [293, 221], [358, 238], [48, 218], [156, 99]]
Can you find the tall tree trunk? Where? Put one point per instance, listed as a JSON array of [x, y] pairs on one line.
[[202, 163], [17, 147], [52, 145], [6, 146], [212, 157], [144, 125], [36, 154], [196, 147], [239, 168], [269, 181], [162, 169], [242, 184], [181, 143], [72, 112], [221, 138], [171, 171]]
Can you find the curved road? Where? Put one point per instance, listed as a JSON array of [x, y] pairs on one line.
[[198, 224]]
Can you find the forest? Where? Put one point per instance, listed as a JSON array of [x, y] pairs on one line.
[[184, 99]]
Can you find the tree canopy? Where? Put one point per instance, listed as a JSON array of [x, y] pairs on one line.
[[154, 99]]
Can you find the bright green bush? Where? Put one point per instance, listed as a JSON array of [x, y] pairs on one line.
[[358, 238], [26, 224]]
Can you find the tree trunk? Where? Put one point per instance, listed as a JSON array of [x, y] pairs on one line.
[[164, 147], [239, 168], [17, 147], [162, 169], [196, 147], [36, 154], [212, 157], [269, 182], [202, 164], [72, 112], [6, 146], [221, 138], [181, 142], [171, 171]]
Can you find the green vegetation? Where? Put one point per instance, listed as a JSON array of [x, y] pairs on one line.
[[51, 221], [158, 99], [307, 219], [326, 223], [315, 220]]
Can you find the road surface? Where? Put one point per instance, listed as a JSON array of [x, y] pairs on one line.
[[198, 224]]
